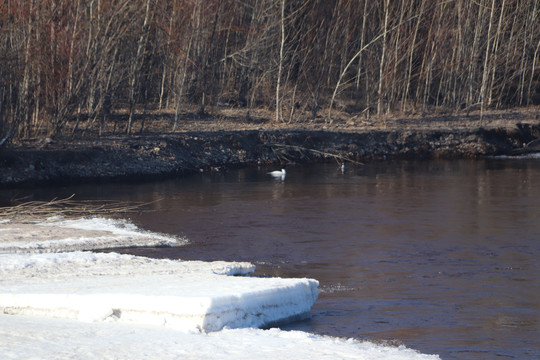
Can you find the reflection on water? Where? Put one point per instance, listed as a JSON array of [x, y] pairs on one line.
[[442, 256]]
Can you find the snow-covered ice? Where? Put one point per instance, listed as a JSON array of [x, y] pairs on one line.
[[534, 155], [191, 296], [78, 304], [49, 338], [55, 235]]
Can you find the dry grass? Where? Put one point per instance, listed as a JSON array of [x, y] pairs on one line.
[[67, 207]]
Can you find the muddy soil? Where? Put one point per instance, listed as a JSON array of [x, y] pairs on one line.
[[232, 140]]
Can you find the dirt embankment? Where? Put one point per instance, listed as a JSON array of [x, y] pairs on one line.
[[163, 154]]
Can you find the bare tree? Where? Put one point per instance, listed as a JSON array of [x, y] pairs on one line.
[[280, 66], [136, 66], [84, 60]]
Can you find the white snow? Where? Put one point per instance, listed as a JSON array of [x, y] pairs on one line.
[[58, 305], [49, 338], [535, 155], [190, 296], [57, 235]]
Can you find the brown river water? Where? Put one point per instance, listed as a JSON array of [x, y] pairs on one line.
[[442, 256]]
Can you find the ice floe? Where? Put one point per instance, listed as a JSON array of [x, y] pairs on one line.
[[58, 235], [190, 296], [58, 303]]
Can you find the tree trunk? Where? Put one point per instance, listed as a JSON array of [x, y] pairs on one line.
[[381, 64], [137, 66], [411, 54], [280, 65], [485, 73]]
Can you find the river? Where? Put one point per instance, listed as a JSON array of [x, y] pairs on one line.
[[441, 256]]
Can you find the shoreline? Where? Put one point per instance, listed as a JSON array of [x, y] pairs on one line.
[[156, 155]]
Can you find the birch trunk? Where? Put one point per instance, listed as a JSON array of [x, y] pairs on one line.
[[485, 72], [280, 66], [381, 64], [136, 67]]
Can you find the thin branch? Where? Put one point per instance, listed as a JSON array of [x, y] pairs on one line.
[[69, 207], [301, 149], [374, 40]]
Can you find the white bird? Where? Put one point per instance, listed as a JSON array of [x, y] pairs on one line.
[[278, 173], [342, 167]]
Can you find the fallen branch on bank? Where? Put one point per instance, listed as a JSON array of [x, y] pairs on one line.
[[301, 149], [68, 207]]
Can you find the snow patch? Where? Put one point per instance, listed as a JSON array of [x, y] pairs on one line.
[[60, 235], [535, 155], [23, 337]]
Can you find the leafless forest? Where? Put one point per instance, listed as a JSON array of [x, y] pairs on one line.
[[69, 64]]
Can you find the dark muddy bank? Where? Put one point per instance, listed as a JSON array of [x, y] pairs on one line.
[[154, 156]]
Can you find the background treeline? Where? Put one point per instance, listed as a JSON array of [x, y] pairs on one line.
[[67, 60]]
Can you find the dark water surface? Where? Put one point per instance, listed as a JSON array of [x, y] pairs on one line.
[[443, 257]]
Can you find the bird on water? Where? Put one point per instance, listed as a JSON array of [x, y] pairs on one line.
[[278, 173]]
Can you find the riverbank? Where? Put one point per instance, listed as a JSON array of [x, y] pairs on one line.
[[214, 142]]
